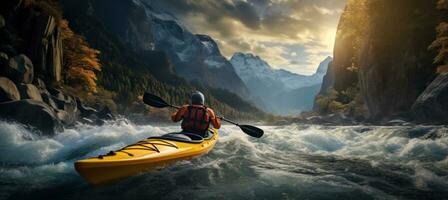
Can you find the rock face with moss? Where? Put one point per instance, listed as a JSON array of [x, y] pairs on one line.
[[381, 58]]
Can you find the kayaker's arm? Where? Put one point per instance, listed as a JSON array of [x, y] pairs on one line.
[[216, 122], [177, 116]]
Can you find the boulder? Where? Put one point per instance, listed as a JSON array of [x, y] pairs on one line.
[[8, 90], [84, 111], [40, 84], [105, 114], [32, 113], [46, 97], [65, 117], [432, 105], [66, 103], [19, 69], [29, 91]]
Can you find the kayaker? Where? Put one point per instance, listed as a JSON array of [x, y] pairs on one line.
[[196, 117]]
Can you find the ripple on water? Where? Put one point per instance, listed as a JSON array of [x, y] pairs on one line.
[[289, 162]]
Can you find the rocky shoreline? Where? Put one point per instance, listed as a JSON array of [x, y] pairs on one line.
[[31, 61], [30, 102]]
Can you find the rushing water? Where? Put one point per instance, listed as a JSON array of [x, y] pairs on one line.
[[289, 162]]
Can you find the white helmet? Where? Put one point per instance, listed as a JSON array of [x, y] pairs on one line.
[[197, 98]]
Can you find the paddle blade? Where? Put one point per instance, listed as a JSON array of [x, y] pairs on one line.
[[252, 130], [154, 100]]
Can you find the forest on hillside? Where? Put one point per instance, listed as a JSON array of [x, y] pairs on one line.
[[97, 68]]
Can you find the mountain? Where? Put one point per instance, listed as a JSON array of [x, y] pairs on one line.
[[267, 84], [123, 33], [142, 25]]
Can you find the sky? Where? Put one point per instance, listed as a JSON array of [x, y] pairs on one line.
[[295, 35]]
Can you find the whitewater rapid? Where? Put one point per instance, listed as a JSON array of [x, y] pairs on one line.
[[289, 162]]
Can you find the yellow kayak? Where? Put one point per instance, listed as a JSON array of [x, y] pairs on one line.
[[151, 153]]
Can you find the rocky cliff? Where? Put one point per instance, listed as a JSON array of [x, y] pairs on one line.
[[381, 57], [31, 65]]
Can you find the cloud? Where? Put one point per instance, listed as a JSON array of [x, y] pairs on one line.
[[272, 29]]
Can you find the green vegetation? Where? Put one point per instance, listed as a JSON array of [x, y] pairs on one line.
[[441, 42], [117, 77], [348, 101], [381, 60], [126, 75]]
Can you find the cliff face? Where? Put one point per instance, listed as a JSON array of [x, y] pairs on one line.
[[31, 69], [395, 65], [35, 34], [381, 51]]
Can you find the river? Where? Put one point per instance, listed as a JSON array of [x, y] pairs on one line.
[[289, 162]]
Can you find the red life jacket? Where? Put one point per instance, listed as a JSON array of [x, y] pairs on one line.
[[197, 120]]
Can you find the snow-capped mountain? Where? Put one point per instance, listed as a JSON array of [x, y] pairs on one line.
[[270, 84], [249, 66], [195, 57], [143, 25]]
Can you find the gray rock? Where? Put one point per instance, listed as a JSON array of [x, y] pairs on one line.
[[46, 97], [65, 117], [41, 84], [105, 114], [85, 111], [33, 113], [46, 48], [8, 90], [20, 69], [432, 105], [67, 104], [29, 91]]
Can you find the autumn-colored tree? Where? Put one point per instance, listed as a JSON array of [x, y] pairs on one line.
[[80, 60], [441, 42]]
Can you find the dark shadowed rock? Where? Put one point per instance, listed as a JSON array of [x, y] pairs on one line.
[[20, 69], [32, 113], [84, 111], [67, 104], [105, 114], [29, 91], [65, 117], [2, 22], [432, 104], [8, 49], [40, 84], [4, 59], [8, 90], [46, 97], [46, 47]]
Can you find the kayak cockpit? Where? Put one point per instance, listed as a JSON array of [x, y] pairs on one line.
[[185, 137]]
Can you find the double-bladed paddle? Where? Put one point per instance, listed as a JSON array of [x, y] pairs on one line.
[[158, 102]]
